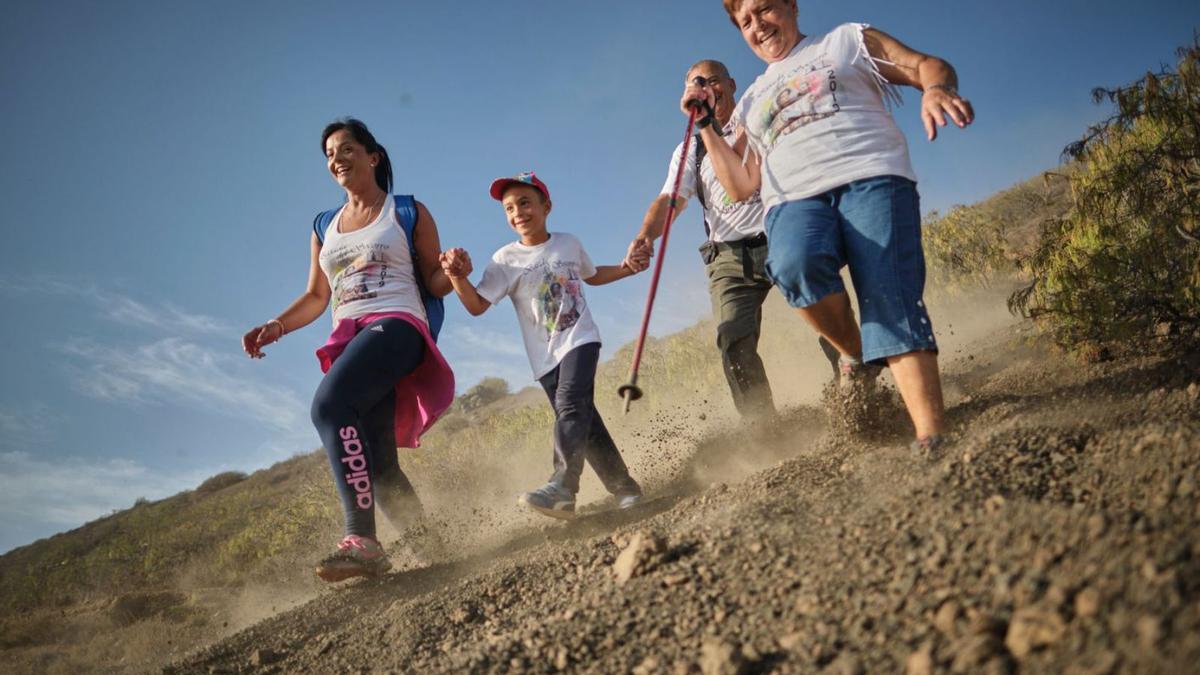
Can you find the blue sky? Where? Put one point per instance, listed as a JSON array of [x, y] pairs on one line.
[[162, 167]]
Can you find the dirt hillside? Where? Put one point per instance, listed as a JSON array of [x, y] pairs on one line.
[[1057, 534]]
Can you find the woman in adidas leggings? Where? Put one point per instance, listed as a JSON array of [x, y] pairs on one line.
[[385, 380]]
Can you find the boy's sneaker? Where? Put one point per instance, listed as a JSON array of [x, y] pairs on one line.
[[930, 448], [628, 501], [356, 556], [550, 500]]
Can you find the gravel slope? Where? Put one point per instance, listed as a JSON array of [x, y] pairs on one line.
[[1056, 535]]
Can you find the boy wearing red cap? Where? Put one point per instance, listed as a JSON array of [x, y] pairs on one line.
[[543, 274]]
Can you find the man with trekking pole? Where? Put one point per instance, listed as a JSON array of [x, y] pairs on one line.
[[734, 251]]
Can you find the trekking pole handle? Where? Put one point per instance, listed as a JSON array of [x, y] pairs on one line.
[[697, 104]]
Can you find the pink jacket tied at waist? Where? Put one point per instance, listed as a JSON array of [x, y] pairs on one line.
[[421, 396]]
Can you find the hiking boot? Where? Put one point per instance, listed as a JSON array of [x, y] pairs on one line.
[[356, 556], [855, 377], [550, 500], [931, 448]]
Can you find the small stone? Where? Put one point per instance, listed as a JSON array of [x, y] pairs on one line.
[[674, 579], [807, 605], [1033, 628], [463, 614], [1149, 630], [920, 662], [262, 657], [994, 503], [718, 657], [946, 617], [1096, 526], [845, 664], [648, 666], [792, 641], [972, 651], [638, 556], [1087, 603]]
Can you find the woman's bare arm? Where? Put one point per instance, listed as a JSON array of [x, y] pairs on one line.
[[900, 64]]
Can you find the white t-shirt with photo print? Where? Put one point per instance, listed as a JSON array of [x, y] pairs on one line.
[[545, 284], [820, 118]]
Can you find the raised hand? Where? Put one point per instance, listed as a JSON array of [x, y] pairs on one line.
[[260, 336], [938, 102]]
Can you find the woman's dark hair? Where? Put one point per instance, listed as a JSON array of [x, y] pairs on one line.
[[358, 130]]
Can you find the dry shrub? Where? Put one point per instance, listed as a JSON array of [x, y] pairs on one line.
[[1123, 266], [220, 482]]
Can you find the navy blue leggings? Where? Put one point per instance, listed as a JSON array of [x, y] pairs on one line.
[[353, 411]]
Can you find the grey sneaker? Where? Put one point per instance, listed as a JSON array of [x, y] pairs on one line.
[[550, 500], [356, 557], [628, 501]]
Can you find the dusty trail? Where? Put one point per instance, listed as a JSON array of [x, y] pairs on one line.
[[1057, 534]]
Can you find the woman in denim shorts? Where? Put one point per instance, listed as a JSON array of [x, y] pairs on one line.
[[816, 134]]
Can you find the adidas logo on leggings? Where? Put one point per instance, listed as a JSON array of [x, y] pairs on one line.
[[358, 477]]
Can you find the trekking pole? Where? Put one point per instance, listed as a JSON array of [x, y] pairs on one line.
[[630, 391]]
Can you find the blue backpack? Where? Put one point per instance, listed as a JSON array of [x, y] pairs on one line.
[[406, 215]]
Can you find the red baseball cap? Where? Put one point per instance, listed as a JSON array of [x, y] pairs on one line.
[[528, 178]]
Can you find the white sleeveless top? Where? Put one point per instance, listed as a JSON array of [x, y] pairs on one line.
[[370, 271], [820, 118]]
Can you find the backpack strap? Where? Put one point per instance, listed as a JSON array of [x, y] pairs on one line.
[[408, 215], [701, 152], [321, 223]]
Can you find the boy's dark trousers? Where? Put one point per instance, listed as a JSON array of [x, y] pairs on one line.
[[738, 284], [579, 433]]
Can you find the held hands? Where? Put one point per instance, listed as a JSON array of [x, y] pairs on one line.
[[260, 336], [638, 257], [456, 263], [937, 102]]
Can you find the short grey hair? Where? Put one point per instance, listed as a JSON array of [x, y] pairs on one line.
[[715, 65]]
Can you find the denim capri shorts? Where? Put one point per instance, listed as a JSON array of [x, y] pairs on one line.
[[874, 226]]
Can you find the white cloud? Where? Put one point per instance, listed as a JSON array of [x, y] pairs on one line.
[[486, 341], [475, 353], [176, 371], [468, 372], [120, 308], [66, 492], [45, 495]]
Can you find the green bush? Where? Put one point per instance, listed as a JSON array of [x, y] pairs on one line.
[[1123, 266]]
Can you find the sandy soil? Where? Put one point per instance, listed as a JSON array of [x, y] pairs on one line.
[[1056, 534]]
